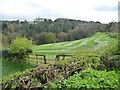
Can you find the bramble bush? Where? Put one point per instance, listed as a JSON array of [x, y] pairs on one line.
[[87, 59]]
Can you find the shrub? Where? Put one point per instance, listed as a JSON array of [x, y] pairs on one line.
[[19, 48], [111, 63], [5, 54], [88, 59], [89, 79]]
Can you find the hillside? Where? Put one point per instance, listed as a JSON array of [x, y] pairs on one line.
[[97, 42], [45, 31], [100, 42]]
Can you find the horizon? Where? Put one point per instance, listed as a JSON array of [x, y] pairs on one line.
[[54, 20]]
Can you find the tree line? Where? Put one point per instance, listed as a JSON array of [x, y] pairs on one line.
[[43, 31]]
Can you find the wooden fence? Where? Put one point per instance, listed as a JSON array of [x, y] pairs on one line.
[[44, 57], [62, 55]]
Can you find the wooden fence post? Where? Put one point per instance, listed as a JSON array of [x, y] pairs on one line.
[[37, 58], [45, 60], [57, 57], [63, 57], [65, 68], [28, 58]]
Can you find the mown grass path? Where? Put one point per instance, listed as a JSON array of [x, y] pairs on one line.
[[96, 42]]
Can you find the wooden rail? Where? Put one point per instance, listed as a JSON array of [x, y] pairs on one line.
[[62, 55], [44, 57]]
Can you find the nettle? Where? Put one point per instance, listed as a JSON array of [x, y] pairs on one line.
[[89, 79]]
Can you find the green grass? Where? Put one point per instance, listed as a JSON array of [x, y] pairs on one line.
[[9, 68], [96, 42], [99, 41]]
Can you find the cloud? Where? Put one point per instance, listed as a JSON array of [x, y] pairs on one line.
[[97, 10], [107, 8]]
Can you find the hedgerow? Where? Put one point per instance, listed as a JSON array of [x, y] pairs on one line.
[[89, 79]]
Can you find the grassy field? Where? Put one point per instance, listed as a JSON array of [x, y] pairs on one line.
[[96, 42], [9, 68]]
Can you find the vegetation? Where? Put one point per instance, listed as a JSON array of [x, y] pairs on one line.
[[89, 79], [99, 42], [60, 30], [11, 68], [88, 60], [75, 69], [19, 44], [19, 48], [95, 60]]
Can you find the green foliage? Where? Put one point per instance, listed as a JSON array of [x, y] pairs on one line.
[[88, 59], [89, 79], [19, 44], [45, 37], [50, 38], [4, 41], [30, 29], [19, 49], [82, 59]]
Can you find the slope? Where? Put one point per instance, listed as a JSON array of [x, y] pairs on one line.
[[98, 41]]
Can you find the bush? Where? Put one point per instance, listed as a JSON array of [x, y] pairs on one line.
[[5, 54], [88, 59], [96, 60], [89, 79], [19, 48], [111, 63]]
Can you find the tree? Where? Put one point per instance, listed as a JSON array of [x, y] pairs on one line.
[[50, 38], [40, 38], [44, 38], [62, 36], [11, 27], [4, 41], [20, 47]]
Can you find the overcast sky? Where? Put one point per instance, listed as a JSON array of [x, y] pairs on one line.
[[91, 10]]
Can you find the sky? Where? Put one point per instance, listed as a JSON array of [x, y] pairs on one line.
[[103, 11]]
